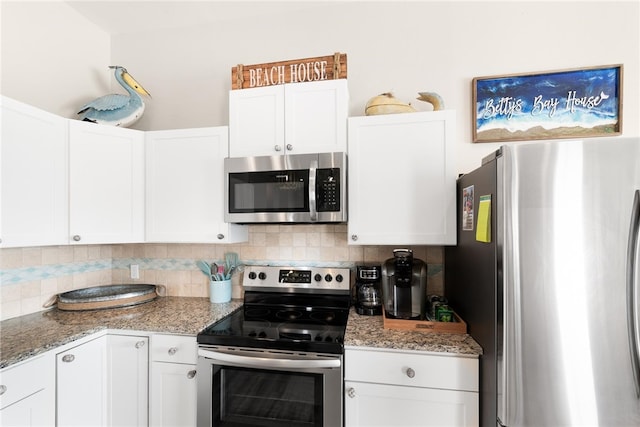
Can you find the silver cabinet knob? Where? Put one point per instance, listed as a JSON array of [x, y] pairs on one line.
[[76, 238], [191, 374], [411, 373], [220, 236], [3, 389], [140, 344], [354, 237], [277, 148], [172, 351], [351, 392], [289, 147], [68, 358]]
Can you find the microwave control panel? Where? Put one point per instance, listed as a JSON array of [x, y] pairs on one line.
[[328, 190]]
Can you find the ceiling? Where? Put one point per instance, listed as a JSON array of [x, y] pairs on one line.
[[121, 17]]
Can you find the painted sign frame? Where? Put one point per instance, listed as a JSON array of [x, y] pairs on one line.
[[574, 103]]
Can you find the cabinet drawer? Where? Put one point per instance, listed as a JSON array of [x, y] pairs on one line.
[[412, 369], [174, 348], [21, 381]]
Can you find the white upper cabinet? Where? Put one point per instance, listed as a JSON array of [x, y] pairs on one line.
[[106, 184], [401, 179], [185, 187], [293, 118], [34, 176]]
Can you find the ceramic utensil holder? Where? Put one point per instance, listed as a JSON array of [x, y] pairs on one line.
[[220, 291]]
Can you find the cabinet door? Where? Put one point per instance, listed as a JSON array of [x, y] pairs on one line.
[[401, 179], [370, 405], [34, 192], [316, 117], [128, 380], [106, 184], [81, 385], [29, 412], [27, 393], [185, 187], [256, 121], [173, 394]]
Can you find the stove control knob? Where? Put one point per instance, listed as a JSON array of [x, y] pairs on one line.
[[262, 334], [328, 278], [318, 338], [339, 278], [252, 275], [328, 338], [252, 334], [317, 277], [262, 276]]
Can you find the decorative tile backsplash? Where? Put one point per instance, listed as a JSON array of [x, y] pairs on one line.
[[29, 277]]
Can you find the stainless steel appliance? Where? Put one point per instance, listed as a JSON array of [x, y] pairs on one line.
[[300, 188], [368, 292], [404, 286], [552, 294], [279, 359]]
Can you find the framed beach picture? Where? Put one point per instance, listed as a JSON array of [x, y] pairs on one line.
[[585, 102]]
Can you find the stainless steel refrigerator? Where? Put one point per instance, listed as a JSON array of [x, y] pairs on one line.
[[545, 273]]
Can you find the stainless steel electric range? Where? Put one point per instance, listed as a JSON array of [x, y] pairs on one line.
[[278, 359]]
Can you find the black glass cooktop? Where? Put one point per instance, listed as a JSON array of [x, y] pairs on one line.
[[299, 322]]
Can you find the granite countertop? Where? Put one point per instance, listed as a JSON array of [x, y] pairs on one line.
[[26, 336], [368, 331]]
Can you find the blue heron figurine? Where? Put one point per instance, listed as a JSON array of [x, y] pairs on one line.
[[117, 109]]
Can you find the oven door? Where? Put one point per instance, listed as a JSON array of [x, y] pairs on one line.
[[248, 387]]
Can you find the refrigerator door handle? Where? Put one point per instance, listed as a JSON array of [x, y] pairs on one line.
[[633, 326]]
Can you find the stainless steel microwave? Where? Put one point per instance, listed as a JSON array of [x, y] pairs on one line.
[[298, 188]]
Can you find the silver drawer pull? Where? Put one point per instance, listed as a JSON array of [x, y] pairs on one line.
[[411, 373], [140, 344], [351, 392], [191, 374], [172, 351], [68, 358], [3, 389], [77, 238]]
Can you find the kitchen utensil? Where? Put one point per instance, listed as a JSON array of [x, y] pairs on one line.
[[205, 268]]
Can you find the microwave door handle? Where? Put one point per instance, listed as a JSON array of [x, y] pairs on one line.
[[313, 213]]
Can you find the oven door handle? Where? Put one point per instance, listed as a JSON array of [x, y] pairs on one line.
[[266, 362]]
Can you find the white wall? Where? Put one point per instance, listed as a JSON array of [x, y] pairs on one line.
[[404, 47], [51, 57]]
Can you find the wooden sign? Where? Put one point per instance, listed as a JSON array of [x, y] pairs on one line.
[[292, 71]]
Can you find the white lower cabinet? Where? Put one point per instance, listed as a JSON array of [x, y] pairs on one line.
[[81, 384], [27, 393], [173, 381], [404, 388], [128, 380]]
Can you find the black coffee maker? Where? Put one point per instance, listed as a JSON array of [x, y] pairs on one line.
[[404, 286], [368, 294]]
